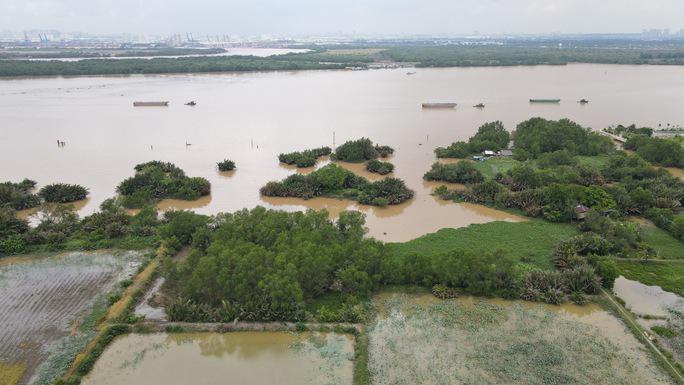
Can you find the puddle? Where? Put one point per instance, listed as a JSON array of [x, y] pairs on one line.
[[643, 299]]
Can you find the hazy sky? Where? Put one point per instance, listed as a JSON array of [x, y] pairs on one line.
[[289, 17]]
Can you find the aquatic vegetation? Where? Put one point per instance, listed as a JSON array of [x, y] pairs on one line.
[[335, 181], [62, 193], [226, 165], [452, 342], [306, 158], [379, 167], [157, 180]]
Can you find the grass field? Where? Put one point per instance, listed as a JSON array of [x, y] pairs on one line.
[[665, 244], [493, 166], [667, 275], [531, 241]]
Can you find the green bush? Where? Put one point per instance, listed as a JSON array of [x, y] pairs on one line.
[[538, 136], [18, 195], [379, 167], [461, 172], [63, 193], [306, 158], [490, 136], [361, 150], [226, 165]]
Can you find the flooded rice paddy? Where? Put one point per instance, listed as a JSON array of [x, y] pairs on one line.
[[45, 300], [421, 339], [240, 358], [252, 117]]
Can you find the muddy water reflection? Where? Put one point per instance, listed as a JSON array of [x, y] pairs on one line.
[[252, 117], [242, 358], [645, 300]]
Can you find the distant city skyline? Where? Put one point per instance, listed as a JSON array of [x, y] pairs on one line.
[[337, 17]]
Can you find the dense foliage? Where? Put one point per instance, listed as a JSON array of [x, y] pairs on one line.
[[361, 150], [18, 195], [336, 181], [379, 167], [158, 180], [306, 158], [537, 136], [264, 265], [62, 193], [662, 152], [226, 165], [490, 136], [461, 172]]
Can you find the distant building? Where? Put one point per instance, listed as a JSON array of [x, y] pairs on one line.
[[581, 212], [488, 153], [506, 152]]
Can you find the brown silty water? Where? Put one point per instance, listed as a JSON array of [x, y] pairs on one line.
[[244, 358], [252, 117]]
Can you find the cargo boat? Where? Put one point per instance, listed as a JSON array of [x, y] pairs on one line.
[[439, 105], [150, 104], [545, 100]]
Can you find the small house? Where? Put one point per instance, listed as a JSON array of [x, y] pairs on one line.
[[581, 212], [488, 153]]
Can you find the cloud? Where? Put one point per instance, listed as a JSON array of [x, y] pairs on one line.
[[334, 16]]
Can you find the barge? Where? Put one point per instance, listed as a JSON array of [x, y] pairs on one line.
[[545, 100], [150, 104], [439, 105]]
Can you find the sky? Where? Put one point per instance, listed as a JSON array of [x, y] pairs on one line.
[[336, 17]]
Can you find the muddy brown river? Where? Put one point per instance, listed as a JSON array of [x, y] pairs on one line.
[[252, 117]]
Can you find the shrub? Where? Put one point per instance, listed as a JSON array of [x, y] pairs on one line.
[[461, 172], [63, 193], [226, 165], [17, 195], [378, 167], [306, 158], [360, 150]]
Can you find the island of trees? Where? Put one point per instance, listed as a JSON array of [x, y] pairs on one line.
[[335, 181], [158, 180]]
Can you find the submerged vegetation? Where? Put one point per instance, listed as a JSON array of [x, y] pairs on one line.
[[379, 167], [62, 193], [335, 181], [226, 165], [361, 150], [306, 158], [18, 196], [157, 180]]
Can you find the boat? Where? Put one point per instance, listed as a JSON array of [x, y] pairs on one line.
[[479, 105], [439, 105], [545, 100], [191, 103], [150, 104], [583, 101], [410, 73]]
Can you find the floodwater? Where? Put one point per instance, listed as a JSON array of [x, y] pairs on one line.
[[482, 340], [240, 358], [44, 299], [252, 117], [645, 300]]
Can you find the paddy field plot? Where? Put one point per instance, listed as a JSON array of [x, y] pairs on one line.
[[422, 340], [48, 309]]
